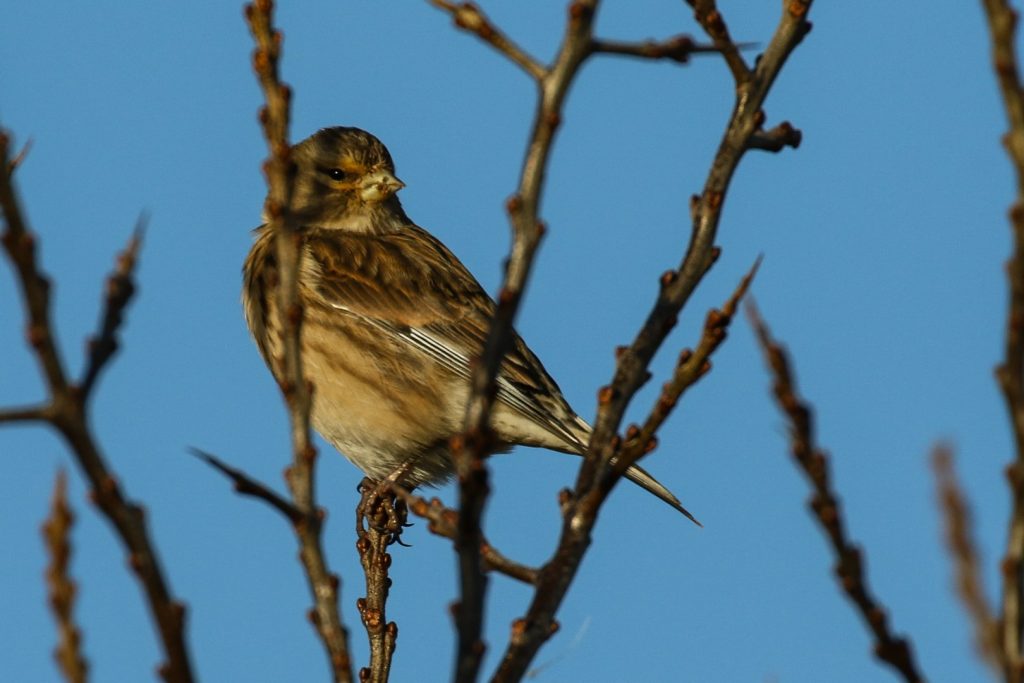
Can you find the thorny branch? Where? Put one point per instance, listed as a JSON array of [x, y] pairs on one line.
[[894, 650], [963, 551], [67, 408], [1002, 20], [280, 172], [62, 588], [580, 509]]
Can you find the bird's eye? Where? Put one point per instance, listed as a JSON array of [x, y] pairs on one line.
[[336, 173]]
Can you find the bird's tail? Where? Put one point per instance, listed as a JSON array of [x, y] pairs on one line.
[[635, 473]]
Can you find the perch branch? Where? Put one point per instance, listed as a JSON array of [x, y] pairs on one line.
[[677, 49], [379, 522], [67, 413], [280, 174], [894, 650], [62, 589]]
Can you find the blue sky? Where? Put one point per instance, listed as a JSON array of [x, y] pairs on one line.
[[884, 237]]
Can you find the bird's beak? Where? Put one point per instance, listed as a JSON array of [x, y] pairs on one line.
[[378, 186]]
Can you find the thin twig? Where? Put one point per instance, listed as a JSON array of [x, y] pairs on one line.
[[379, 522], [471, 18], [25, 414], [711, 20], [62, 588], [120, 288], [247, 486], [894, 650], [280, 174], [66, 412], [693, 365], [677, 49], [580, 508], [963, 551], [444, 521], [1002, 21]]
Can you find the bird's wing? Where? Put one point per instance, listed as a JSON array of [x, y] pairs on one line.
[[411, 286]]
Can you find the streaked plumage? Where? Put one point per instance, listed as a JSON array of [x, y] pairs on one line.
[[392, 322]]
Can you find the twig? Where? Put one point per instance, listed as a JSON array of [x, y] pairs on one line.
[[62, 589], [247, 486], [444, 522], [379, 522], [120, 289], [691, 367], [66, 412], [1002, 21], [580, 509], [778, 138], [471, 18], [711, 20], [894, 650], [25, 414], [280, 173], [963, 551], [677, 49]]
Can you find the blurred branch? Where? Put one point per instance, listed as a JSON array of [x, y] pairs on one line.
[[379, 522], [62, 589], [444, 522], [677, 49], [963, 551], [66, 412], [119, 291], [894, 650], [280, 173], [691, 367], [27, 414], [1002, 21]]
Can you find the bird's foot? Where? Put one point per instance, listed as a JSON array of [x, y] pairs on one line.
[[382, 510]]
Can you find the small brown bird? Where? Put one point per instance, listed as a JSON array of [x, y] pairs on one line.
[[392, 323]]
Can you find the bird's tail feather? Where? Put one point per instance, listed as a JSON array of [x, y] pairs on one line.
[[644, 480]]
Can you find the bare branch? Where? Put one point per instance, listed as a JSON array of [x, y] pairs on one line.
[[471, 18], [247, 486], [580, 509], [963, 551], [25, 414], [894, 650], [62, 588], [778, 138], [523, 208], [120, 288], [66, 413], [692, 366], [444, 522], [379, 522], [280, 173], [711, 20], [676, 49], [1002, 21]]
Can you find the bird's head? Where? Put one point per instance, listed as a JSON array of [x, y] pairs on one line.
[[345, 180]]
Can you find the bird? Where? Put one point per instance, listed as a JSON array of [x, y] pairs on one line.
[[393, 322]]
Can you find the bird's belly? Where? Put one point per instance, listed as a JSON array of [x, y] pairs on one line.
[[382, 412]]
